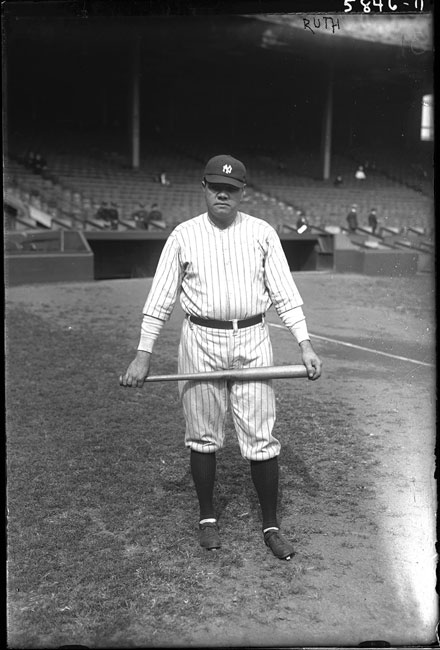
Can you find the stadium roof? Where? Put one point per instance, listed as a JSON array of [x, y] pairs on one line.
[[384, 48]]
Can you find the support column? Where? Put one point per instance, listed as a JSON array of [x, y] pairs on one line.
[[326, 142], [135, 105]]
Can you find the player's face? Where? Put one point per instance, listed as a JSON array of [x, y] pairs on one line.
[[222, 201]]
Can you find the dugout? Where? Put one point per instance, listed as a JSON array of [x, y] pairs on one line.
[[301, 251], [125, 255], [136, 254]]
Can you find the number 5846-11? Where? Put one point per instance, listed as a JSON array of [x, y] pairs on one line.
[[368, 5]]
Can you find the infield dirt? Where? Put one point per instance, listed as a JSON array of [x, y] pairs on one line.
[[102, 516]]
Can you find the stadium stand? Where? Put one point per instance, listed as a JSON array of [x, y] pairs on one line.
[[82, 177]]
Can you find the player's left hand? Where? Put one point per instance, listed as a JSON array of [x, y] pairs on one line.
[[311, 360]]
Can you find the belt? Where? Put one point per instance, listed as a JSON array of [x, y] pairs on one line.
[[226, 324]]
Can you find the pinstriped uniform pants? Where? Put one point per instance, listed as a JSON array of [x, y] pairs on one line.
[[205, 404]]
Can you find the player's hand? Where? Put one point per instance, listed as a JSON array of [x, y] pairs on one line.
[[137, 371], [311, 360]]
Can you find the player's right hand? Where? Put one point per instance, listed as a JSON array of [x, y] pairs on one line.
[[137, 371]]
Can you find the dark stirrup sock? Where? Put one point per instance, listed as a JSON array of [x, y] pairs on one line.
[[265, 477], [203, 468]]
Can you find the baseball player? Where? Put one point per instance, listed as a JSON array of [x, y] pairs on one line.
[[227, 268]]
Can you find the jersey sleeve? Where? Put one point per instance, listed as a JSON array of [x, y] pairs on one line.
[[282, 289], [295, 321], [166, 282], [150, 330]]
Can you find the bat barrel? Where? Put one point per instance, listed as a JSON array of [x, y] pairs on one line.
[[239, 374]]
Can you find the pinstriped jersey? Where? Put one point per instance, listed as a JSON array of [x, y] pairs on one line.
[[225, 274]]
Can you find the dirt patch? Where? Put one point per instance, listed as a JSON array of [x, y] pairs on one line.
[[103, 545]]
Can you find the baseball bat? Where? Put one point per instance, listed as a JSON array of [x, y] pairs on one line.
[[238, 374]]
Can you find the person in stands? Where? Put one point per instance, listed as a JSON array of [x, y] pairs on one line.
[[40, 164], [162, 178], [352, 219], [155, 214], [106, 214], [113, 216], [302, 224], [360, 173], [372, 220], [140, 216]]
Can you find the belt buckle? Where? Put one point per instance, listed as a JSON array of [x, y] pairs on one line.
[[235, 326]]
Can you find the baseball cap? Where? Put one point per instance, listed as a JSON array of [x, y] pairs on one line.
[[225, 169]]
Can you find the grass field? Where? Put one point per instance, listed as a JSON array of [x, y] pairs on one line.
[[102, 515]]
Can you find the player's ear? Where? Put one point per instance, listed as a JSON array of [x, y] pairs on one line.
[[203, 183]]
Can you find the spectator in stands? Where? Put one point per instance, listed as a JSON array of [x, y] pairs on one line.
[[152, 218], [162, 179], [40, 164], [155, 213], [302, 223], [338, 181], [360, 173], [113, 216], [108, 214], [102, 212], [140, 216], [352, 219], [155, 218], [372, 220]]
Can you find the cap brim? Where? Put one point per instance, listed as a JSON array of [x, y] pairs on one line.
[[224, 180]]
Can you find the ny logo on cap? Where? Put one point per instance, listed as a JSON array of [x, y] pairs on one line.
[[227, 169]]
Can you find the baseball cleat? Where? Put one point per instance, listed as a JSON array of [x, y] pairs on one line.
[[209, 536], [278, 544]]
